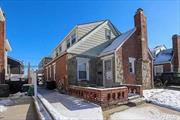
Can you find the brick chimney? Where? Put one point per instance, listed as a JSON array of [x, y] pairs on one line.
[[143, 68], [2, 47], [176, 51]]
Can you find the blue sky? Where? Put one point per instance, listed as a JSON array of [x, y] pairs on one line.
[[34, 28]]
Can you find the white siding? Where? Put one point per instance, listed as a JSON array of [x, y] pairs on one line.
[[91, 45], [84, 29]]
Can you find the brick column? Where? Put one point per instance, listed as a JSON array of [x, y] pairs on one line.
[[2, 47], [176, 51]]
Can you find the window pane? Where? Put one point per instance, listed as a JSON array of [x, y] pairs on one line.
[[82, 71], [73, 39], [108, 65], [82, 67], [82, 75], [68, 43]]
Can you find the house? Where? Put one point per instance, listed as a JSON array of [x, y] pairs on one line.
[[40, 72], [97, 54], [4, 48], [168, 60], [15, 69]]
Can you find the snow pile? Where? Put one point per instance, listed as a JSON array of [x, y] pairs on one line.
[[163, 97], [3, 104], [143, 113], [2, 108]]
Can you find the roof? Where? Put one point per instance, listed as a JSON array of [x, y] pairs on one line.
[[164, 56], [16, 60], [117, 42], [2, 18]]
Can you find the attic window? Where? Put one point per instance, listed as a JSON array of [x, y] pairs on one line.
[[60, 49], [108, 34], [73, 39], [68, 43], [56, 53]]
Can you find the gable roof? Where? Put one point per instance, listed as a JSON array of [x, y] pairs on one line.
[[164, 56], [119, 41]]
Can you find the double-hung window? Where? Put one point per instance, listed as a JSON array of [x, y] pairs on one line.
[[132, 65], [68, 43], [83, 68], [73, 39], [108, 34]]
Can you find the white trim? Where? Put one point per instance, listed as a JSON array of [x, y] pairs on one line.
[[81, 61], [158, 66], [87, 36], [131, 60], [50, 71], [47, 72], [54, 70], [105, 59]]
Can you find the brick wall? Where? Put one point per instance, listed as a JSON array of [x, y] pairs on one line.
[[101, 96], [176, 51], [61, 71], [136, 47], [2, 51]]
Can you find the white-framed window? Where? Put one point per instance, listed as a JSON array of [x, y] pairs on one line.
[[132, 65], [56, 52], [82, 68], [47, 73], [73, 39], [68, 43], [50, 71], [54, 70], [158, 69], [60, 49], [108, 34]]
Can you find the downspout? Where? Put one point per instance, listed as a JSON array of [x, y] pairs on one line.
[[152, 73]]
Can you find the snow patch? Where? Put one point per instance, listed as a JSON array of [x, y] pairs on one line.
[[163, 97], [144, 113]]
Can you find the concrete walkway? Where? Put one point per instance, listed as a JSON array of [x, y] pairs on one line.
[[71, 107], [19, 109]]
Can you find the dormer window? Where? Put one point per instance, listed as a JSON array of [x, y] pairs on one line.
[[73, 39], [60, 49], [68, 43], [56, 53], [108, 34]]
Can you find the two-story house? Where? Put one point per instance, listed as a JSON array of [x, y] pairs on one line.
[[98, 54], [4, 48]]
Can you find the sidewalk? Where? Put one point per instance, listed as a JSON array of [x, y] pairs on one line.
[[71, 107]]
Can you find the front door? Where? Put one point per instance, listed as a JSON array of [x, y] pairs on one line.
[[108, 71]]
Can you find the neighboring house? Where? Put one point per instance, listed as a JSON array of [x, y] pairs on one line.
[[42, 63], [157, 50], [168, 60], [15, 69], [98, 54], [4, 48]]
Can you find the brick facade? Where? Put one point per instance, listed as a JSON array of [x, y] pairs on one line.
[[2, 51], [136, 47], [176, 51], [60, 75]]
